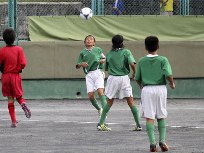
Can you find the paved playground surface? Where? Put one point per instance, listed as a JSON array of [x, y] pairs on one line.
[[69, 126]]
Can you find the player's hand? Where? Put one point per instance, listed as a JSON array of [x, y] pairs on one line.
[[172, 85], [84, 64], [133, 76], [101, 61], [141, 86]]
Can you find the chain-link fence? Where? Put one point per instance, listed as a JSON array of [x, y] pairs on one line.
[[27, 8]]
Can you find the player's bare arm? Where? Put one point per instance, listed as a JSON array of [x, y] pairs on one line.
[[140, 84], [171, 82], [83, 64], [132, 65]]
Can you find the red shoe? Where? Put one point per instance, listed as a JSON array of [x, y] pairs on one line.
[[26, 110], [163, 146], [153, 148]]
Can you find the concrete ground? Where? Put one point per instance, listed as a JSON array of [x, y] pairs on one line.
[[69, 126]]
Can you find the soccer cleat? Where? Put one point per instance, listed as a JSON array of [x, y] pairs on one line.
[[153, 148], [99, 125], [13, 125], [26, 110], [103, 127], [138, 128], [163, 146]]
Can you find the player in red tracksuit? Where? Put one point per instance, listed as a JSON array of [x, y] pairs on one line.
[[12, 61]]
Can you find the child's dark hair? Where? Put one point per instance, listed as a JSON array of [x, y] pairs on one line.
[[9, 36], [90, 36], [117, 42], [151, 43]]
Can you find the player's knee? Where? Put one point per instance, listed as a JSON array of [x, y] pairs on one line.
[[100, 92], [91, 95], [20, 100]]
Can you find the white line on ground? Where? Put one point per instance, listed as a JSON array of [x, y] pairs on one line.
[[78, 122]]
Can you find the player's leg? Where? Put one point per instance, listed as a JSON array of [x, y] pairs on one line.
[[90, 90], [24, 106], [102, 97], [111, 90], [148, 111], [99, 84], [7, 91], [11, 109], [162, 134], [151, 135], [106, 108], [94, 102], [161, 115], [16, 82], [135, 113], [126, 92]]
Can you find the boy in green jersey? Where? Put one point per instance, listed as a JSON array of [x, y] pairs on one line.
[[152, 72], [118, 63], [91, 58]]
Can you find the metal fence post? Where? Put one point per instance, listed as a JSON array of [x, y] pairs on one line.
[[11, 13], [15, 15], [93, 6]]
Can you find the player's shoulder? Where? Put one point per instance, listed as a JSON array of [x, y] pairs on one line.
[[83, 50], [19, 47], [16, 47], [97, 48], [142, 58], [162, 57], [126, 51]]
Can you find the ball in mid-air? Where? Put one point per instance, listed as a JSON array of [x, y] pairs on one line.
[[86, 13]]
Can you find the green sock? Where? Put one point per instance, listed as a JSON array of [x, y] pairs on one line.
[[103, 100], [162, 129], [95, 104], [150, 132], [106, 108], [135, 114]]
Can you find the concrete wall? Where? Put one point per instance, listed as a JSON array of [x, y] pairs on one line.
[[51, 72], [76, 88], [58, 59]]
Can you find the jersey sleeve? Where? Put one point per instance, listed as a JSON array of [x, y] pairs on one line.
[[80, 58], [130, 58], [22, 59], [1, 56], [103, 56], [1, 61], [166, 67]]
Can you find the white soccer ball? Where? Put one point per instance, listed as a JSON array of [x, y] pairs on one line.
[[86, 13]]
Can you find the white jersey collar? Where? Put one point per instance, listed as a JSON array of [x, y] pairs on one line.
[[89, 49], [150, 55]]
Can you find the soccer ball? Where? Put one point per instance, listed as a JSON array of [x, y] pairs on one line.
[[86, 13]]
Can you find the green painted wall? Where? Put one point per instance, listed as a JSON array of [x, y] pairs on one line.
[[67, 89]]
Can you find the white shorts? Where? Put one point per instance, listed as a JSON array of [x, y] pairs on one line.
[[153, 102], [118, 87], [94, 80]]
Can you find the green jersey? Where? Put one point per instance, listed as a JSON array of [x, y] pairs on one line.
[[118, 62], [92, 57], [153, 70]]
